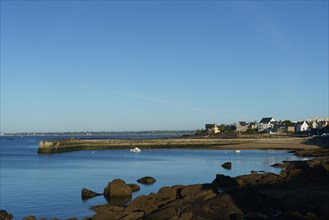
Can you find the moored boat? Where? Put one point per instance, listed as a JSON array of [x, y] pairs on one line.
[[135, 150]]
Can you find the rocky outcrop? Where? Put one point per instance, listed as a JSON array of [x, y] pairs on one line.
[[227, 165], [224, 181], [117, 188], [301, 191], [146, 180], [4, 215], [88, 194], [170, 202]]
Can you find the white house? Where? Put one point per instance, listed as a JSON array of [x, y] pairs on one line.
[[266, 124], [302, 126], [314, 125], [212, 128], [242, 126]]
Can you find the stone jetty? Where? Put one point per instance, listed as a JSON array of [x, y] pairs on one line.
[[74, 144]]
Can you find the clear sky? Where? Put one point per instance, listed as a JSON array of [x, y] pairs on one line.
[[160, 65]]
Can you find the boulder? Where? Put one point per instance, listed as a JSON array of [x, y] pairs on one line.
[[196, 192], [167, 193], [142, 203], [227, 165], [119, 201], [4, 215], [117, 188], [88, 194], [224, 181], [134, 187], [146, 180], [258, 179]]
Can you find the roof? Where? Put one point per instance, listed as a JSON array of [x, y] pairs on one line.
[[302, 122], [265, 120], [242, 123], [209, 126]]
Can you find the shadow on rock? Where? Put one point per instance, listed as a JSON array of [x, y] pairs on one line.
[[118, 201]]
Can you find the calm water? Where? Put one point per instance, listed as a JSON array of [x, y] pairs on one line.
[[50, 185]]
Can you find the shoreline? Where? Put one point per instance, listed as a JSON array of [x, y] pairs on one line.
[[67, 145], [300, 191]]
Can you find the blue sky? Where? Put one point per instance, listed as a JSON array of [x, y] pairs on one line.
[[160, 65]]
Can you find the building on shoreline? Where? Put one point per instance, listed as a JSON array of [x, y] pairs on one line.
[[242, 126], [315, 126], [302, 127], [212, 128], [266, 124]]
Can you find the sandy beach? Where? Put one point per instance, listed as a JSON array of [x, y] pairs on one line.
[[269, 144]]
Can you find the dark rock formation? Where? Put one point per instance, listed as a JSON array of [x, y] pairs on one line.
[[146, 180], [224, 181], [182, 202], [4, 215], [117, 188], [257, 179], [227, 165], [299, 192], [134, 187], [88, 194]]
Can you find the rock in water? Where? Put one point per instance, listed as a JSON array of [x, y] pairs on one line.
[[4, 215], [134, 187], [146, 180], [88, 194], [117, 188], [227, 165]]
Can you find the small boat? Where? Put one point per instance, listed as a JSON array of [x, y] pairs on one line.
[[135, 150], [236, 151]]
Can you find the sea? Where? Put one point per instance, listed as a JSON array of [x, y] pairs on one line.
[[49, 186]]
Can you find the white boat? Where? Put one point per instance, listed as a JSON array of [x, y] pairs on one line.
[[236, 151], [135, 150]]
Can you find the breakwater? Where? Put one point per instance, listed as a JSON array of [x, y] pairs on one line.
[[73, 144]]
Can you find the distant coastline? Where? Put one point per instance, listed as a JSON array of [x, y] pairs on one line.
[[104, 133]]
